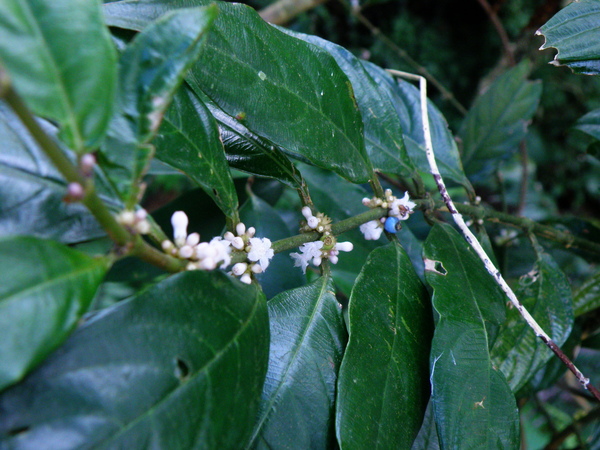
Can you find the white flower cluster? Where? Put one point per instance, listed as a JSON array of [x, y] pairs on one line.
[[399, 208], [258, 249], [136, 222], [201, 255], [320, 223], [316, 251]]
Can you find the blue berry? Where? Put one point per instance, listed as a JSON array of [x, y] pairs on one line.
[[392, 224]]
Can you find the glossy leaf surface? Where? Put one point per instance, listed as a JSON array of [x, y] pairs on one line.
[[45, 288], [405, 98], [546, 293], [290, 92], [151, 69], [179, 366], [307, 343], [382, 127], [497, 121], [573, 31], [32, 190], [189, 140], [473, 404], [384, 378], [62, 61], [281, 274], [587, 297]]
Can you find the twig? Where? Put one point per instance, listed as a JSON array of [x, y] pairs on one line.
[[472, 240], [402, 54], [508, 52]]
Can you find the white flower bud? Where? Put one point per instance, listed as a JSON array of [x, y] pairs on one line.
[[239, 269], [366, 201], [256, 268], [250, 232], [191, 266], [87, 163], [193, 240], [142, 227], [312, 222], [141, 214], [167, 245], [246, 278], [126, 218], [186, 252], [238, 243], [240, 229], [333, 259], [344, 246], [317, 260], [306, 212], [179, 220], [228, 236]]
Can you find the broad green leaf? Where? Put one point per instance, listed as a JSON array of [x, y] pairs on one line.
[[545, 292], [497, 121], [151, 69], [61, 60], [587, 297], [340, 200], [427, 439], [280, 275], [383, 384], [249, 152], [45, 288], [473, 404], [573, 32], [590, 124], [405, 98], [32, 190], [290, 92], [179, 366], [307, 343], [189, 140], [383, 129]]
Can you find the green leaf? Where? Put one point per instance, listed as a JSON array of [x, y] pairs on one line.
[[546, 293], [473, 404], [32, 189], [280, 275], [406, 100], [590, 124], [497, 121], [587, 297], [61, 60], [307, 343], [573, 32], [180, 366], [189, 140], [290, 92], [427, 439], [249, 152], [385, 371], [151, 69], [45, 288], [383, 129]]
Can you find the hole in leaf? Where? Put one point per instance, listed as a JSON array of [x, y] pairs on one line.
[[19, 430], [435, 266], [182, 369]]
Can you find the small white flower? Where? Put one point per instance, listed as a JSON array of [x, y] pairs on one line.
[[240, 228], [179, 220], [402, 207], [312, 222], [222, 251], [260, 251], [193, 239], [371, 230], [309, 251]]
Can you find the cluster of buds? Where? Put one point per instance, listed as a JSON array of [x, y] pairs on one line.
[[398, 209], [325, 248], [136, 222], [319, 223], [201, 255], [259, 252]]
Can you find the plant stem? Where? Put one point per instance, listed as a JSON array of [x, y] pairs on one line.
[[474, 243], [127, 242]]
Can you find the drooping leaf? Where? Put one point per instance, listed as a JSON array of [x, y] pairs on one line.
[[249, 152], [590, 124], [45, 288], [151, 69], [179, 366], [382, 126], [32, 190], [587, 297], [405, 98], [545, 292], [384, 378], [497, 121], [473, 404], [289, 92], [61, 60], [307, 342], [573, 32], [189, 141], [280, 275]]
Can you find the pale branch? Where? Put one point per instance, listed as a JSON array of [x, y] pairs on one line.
[[282, 11], [474, 243]]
